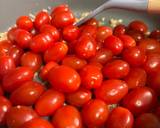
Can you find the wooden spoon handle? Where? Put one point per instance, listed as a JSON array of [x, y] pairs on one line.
[[154, 6]]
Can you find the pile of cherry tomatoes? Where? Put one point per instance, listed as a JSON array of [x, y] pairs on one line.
[[91, 76]]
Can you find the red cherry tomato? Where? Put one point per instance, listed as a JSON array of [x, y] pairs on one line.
[[18, 115], [137, 36], [102, 56], [97, 64], [41, 18], [1, 91], [30, 91], [119, 30], [114, 44], [32, 60], [14, 78], [91, 77], [89, 30], [112, 91], [41, 42], [44, 71], [52, 30], [5, 106], [103, 32], [140, 100], [92, 22], [6, 64], [64, 78], [120, 118], [95, 113], [24, 22], [37, 123], [147, 120], [134, 56], [56, 53], [5, 46], [60, 8], [85, 47], [79, 98], [116, 69], [11, 34], [74, 62], [50, 101], [71, 33], [137, 77], [73, 119], [139, 26], [155, 34]]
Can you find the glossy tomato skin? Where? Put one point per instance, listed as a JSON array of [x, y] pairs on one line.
[[140, 100], [116, 69], [6, 64], [147, 120], [73, 119], [11, 34], [30, 91], [70, 81], [24, 22], [50, 101], [93, 22], [95, 113], [89, 30], [37, 122], [137, 77], [41, 19], [52, 30], [13, 79], [79, 98], [74, 62], [107, 91], [114, 44], [32, 60], [91, 77], [5, 106], [60, 8], [56, 53], [134, 56], [120, 118], [18, 115], [97, 64], [137, 36], [155, 34], [119, 30], [5, 46], [44, 71]]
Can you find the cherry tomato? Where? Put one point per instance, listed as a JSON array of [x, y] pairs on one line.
[[150, 45], [71, 33], [64, 78], [139, 26], [103, 32], [5, 46], [37, 123], [52, 30], [102, 56], [79, 98], [137, 77], [119, 30], [5, 106], [56, 53], [41, 42], [67, 117], [114, 44], [18, 115], [50, 101], [16, 77], [155, 34], [85, 47], [152, 64], [112, 91], [127, 40], [140, 100], [30, 91], [95, 113], [44, 71], [134, 56], [116, 69], [11, 34], [137, 36], [32, 60], [6, 64], [147, 120], [41, 18], [1, 91], [120, 118], [91, 77], [60, 8], [89, 30], [97, 64], [16, 52], [92, 22], [74, 62], [24, 22]]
